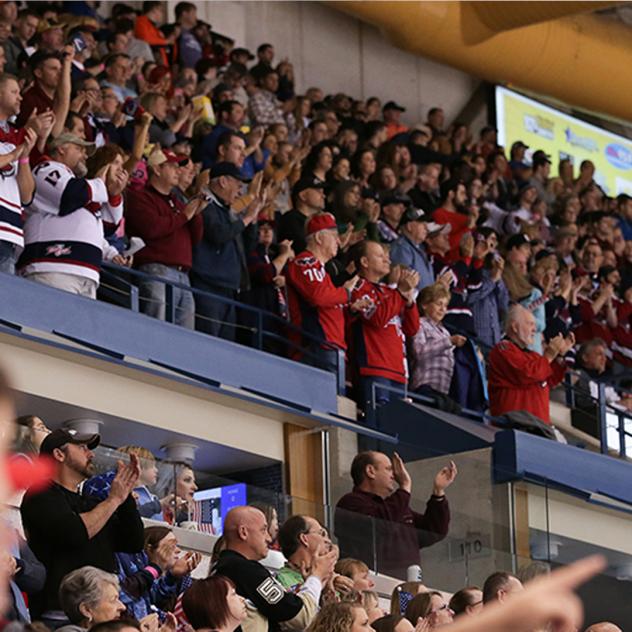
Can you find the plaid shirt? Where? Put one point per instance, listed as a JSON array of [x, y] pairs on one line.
[[432, 357], [265, 108], [489, 303]]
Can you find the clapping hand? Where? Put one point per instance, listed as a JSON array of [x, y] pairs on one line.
[[125, 480], [402, 477], [30, 138], [150, 623], [444, 478], [186, 564], [408, 281]]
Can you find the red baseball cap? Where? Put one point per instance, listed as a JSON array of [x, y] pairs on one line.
[[322, 221]]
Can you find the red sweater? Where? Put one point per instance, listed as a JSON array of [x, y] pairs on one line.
[[315, 303], [459, 223], [378, 334], [520, 379], [159, 221]]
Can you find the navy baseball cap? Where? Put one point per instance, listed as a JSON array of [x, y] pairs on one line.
[[227, 169], [308, 183]]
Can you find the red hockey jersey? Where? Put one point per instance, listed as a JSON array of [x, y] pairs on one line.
[[378, 334], [315, 303]]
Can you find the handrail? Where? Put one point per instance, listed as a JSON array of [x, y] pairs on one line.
[[262, 334], [603, 409]]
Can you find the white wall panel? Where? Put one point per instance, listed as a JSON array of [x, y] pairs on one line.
[[340, 54]]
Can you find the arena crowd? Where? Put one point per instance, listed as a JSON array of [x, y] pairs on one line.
[[436, 260]]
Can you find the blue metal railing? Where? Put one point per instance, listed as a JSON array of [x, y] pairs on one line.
[[113, 278], [602, 409]]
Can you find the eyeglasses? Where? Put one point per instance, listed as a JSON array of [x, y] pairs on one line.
[[445, 606], [321, 532]]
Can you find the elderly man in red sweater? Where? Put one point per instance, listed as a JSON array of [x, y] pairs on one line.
[[520, 379]]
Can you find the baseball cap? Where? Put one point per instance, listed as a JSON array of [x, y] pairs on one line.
[[516, 241], [413, 215], [307, 183], [241, 51], [321, 221], [161, 156], [391, 105], [395, 198], [435, 229], [519, 145], [62, 139], [227, 169], [540, 156], [62, 436]]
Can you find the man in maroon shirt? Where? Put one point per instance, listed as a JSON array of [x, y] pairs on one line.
[[170, 230], [51, 88], [374, 522]]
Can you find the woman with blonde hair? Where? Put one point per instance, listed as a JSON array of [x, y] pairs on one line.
[[341, 617], [432, 348]]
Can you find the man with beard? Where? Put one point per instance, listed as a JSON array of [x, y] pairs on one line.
[[66, 530], [454, 211], [63, 231]]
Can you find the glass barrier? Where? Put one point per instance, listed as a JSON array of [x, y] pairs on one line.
[[492, 527]]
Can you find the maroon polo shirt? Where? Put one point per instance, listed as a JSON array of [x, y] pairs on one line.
[[33, 98], [159, 221], [385, 531]]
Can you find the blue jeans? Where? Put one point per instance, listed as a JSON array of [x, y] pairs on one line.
[[214, 316], [152, 294], [382, 396], [7, 257]]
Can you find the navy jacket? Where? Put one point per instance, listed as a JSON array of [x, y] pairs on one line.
[[220, 258]]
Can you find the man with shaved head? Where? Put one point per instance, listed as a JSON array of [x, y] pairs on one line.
[[520, 379], [604, 626], [247, 540]]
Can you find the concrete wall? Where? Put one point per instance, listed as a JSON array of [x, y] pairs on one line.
[[340, 54]]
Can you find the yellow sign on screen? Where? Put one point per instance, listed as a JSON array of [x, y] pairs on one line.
[[564, 136]]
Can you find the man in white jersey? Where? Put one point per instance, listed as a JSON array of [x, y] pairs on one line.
[[16, 180], [63, 231]]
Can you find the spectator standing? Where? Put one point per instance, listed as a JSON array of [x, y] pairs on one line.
[[170, 230], [117, 70], [219, 261], [66, 530], [391, 113], [378, 332], [189, 47], [308, 198], [453, 211], [265, 57], [247, 539], [409, 250], [50, 89], [15, 47], [393, 207], [146, 29], [63, 231], [230, 115], [521, 379], [315, 304], [467, 601], [17, 184], [432, 348], [264, 106], [490, 302], [378, 511]]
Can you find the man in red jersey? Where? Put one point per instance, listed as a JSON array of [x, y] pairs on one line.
[[315, 303], [378, 332], [520, 379], [453, 211]]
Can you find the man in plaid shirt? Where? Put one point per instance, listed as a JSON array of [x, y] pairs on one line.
[[265, 108]]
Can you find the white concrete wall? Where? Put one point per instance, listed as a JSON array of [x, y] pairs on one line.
[[340, 54]]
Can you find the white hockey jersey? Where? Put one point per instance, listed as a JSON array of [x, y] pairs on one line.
[[11, 224], [63, 229]]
